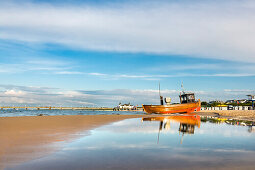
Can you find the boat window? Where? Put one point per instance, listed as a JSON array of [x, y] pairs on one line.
[[187, 98], [191, 97]]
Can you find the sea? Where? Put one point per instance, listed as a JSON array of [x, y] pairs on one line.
[[42, 112]]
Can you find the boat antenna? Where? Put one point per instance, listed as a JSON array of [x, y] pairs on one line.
[[160, 97], [159, 88], [160, 128], [182, 88]]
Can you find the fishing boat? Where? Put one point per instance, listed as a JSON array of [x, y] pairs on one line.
[[187, 104]]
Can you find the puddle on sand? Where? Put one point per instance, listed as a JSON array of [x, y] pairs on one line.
[[158, 143]]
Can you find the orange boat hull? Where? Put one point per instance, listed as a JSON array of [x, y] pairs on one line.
[[173, 108]]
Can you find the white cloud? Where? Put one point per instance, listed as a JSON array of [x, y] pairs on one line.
[[68, 72], [214, 29], [97, 74], [14, 93], [239, 90], [25, 95], [37, 64], [153, 77]]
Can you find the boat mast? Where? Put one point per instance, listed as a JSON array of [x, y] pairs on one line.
[[160, 97]]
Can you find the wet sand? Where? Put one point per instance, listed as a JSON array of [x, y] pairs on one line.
[[30, 137], [212, 153], [235, 114]]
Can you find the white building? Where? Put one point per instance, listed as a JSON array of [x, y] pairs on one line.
[[125, 106]]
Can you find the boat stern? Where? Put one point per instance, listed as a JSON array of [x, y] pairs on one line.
[[199, 106]]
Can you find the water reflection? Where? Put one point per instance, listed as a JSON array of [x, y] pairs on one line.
[[187, 123], [131, 144], [251, 129], [236, 122]]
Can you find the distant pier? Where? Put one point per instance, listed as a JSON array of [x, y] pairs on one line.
[[56, 108]]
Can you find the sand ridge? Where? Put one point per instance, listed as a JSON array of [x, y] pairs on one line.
[[25, 138]]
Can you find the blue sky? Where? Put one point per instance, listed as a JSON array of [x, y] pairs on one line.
[[100, 53]]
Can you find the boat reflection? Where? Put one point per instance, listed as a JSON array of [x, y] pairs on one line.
[[187, 123]]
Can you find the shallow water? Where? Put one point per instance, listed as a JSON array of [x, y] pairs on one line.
[[178, 142], [23, 112]]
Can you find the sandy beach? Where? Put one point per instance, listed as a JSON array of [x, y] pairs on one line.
[[31, 137], [235, 114]]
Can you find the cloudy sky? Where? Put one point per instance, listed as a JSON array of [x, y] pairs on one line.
[[93, 52]]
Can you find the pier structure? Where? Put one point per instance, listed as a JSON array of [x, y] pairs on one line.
[[55, 108]]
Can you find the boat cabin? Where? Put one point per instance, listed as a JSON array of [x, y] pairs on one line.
[[187, 98]]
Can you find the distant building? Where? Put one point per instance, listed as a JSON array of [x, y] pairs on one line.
[[125, 107], [231, 101], [236, 101], [251, 97], [216, 101], [242, 101]]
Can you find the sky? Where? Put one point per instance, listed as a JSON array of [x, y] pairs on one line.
[[100, 53]]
